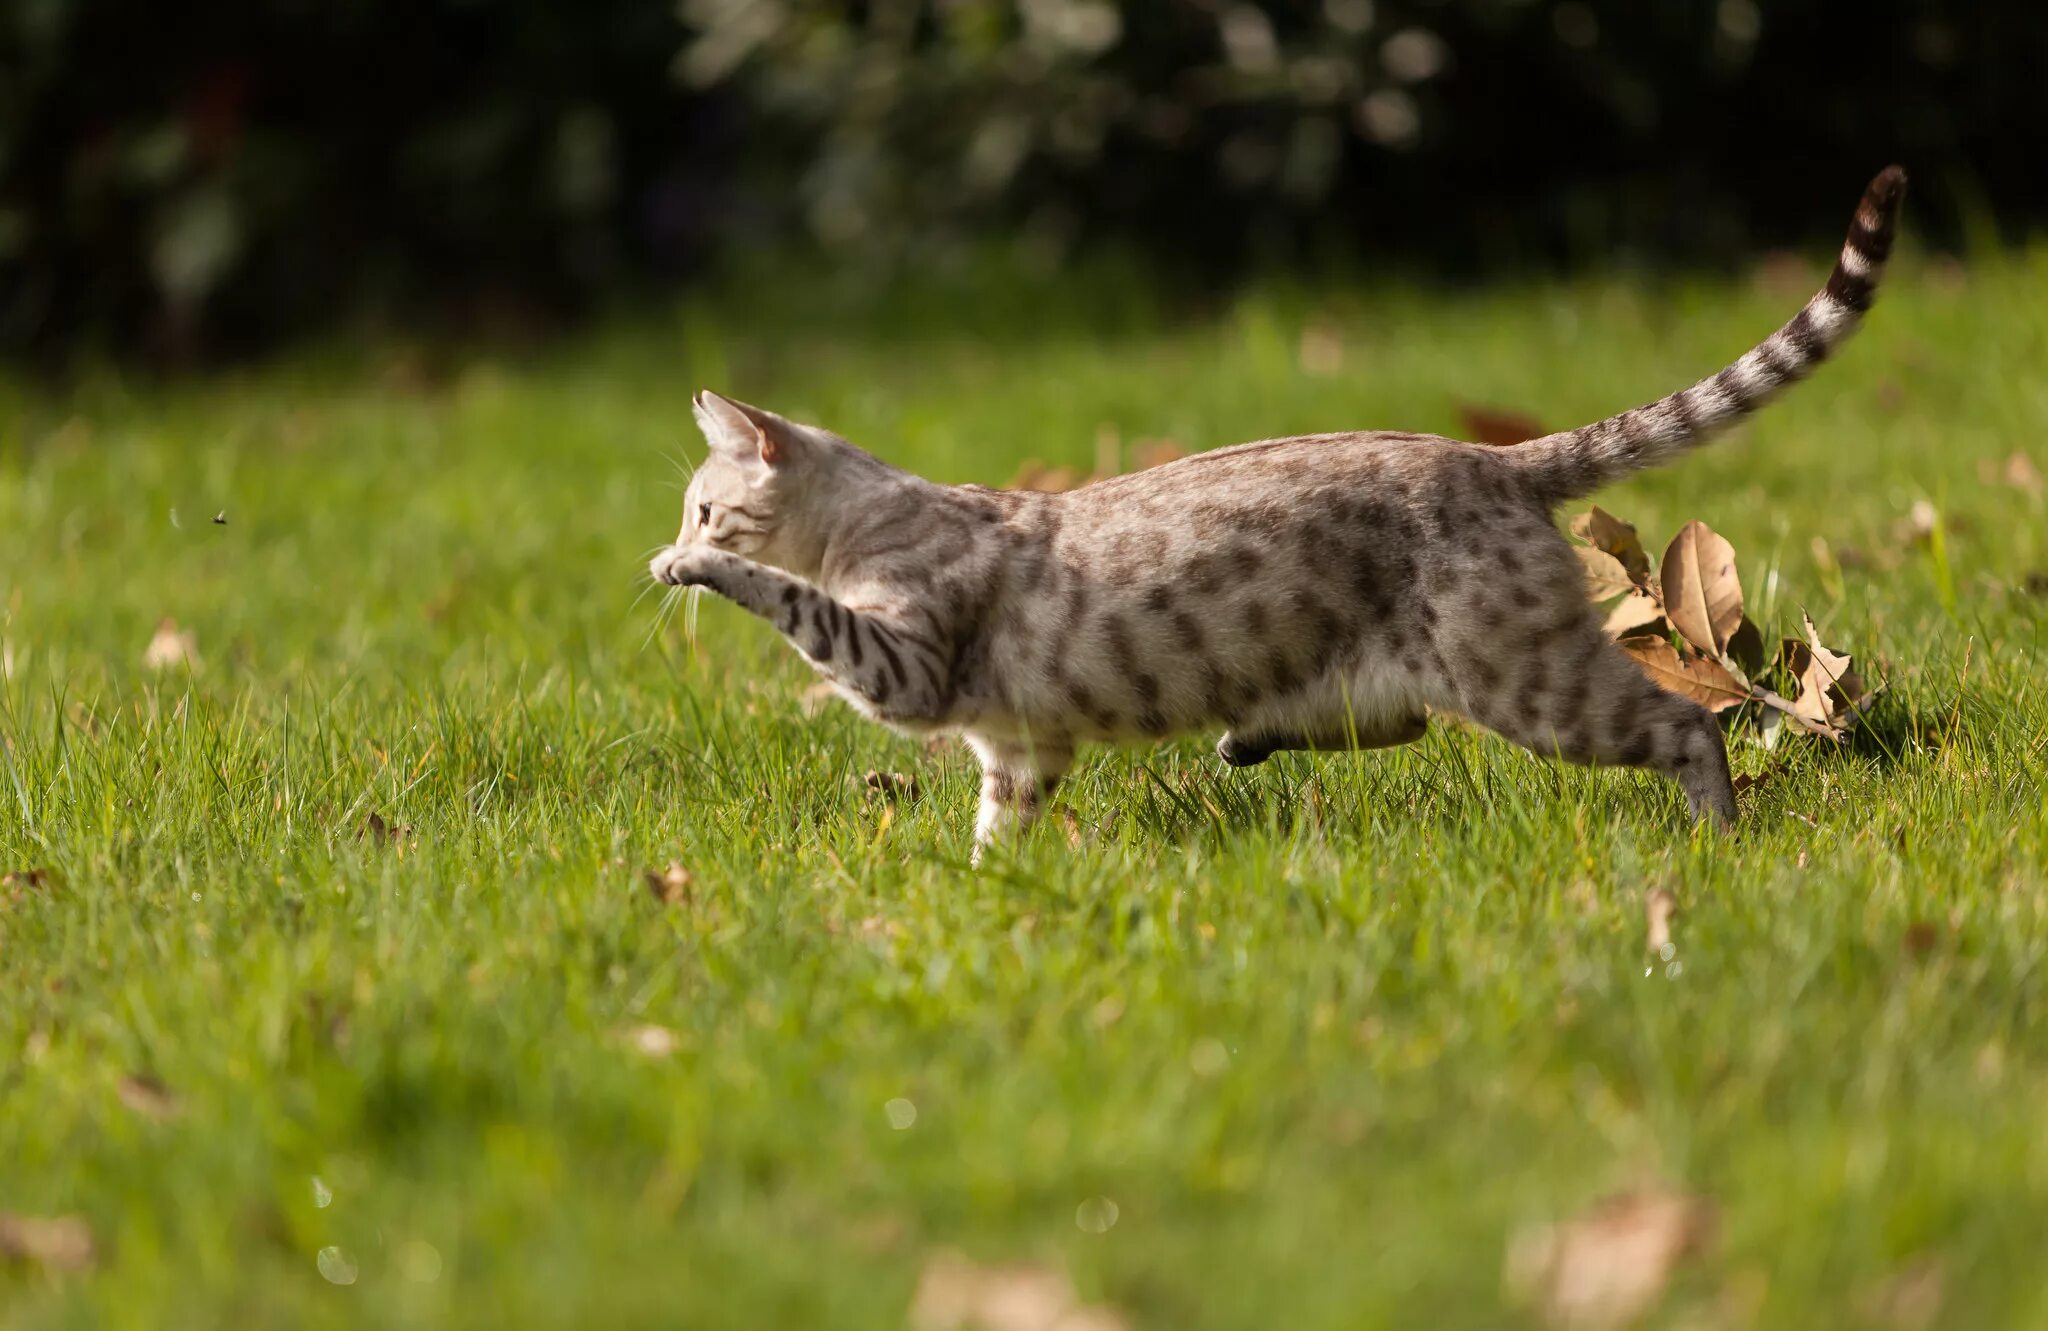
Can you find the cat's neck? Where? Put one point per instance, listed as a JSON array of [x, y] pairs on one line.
[[844, 494]]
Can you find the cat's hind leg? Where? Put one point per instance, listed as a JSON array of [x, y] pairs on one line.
[[1360, 708], [1254, 744], [1573, 694], [1017, 778]]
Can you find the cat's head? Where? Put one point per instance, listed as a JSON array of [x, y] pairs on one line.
[[751, 495]]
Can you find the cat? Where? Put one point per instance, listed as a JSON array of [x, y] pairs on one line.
[[1323, 592]]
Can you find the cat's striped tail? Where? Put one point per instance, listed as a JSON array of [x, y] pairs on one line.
[[1577, 462]]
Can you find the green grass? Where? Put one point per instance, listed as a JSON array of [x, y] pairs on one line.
[[1328, 1032]]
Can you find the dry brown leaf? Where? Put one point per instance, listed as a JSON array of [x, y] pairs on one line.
[[56, 1243], [892, 785], [1745, 648], [1702, 593], [33, 879], [1790, 711], [171, 646], [1322, 349], [1831, 692], [1605, 577], [1109, 449], [1636, 615], [669, 886], [1704, 681], [1603, 531], [148, 1096], [1149, 453], [956, 1294], [377, 828], [1035, 475], [1608, 1267], [1500, 429], [1909, 1300], [1785, 274], [1659, 906]]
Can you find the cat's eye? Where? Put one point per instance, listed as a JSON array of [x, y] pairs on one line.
[[704, 515]]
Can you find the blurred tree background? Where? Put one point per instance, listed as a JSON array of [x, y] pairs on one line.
[[191, 182]]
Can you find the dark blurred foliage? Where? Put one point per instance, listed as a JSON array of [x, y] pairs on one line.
[[194, 179]]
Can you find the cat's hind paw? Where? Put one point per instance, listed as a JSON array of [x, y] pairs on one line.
[[1241, 751]]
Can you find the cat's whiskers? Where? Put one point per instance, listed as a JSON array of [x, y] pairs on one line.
[[663, 610]]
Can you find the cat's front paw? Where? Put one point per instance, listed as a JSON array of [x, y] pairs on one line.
[[686, 565]]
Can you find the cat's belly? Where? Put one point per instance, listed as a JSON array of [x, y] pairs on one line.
[[1304, 675]]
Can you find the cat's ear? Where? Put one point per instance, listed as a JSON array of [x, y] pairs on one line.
[[745, 434]]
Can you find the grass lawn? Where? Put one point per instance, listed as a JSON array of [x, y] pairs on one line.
[[1302, 1046]]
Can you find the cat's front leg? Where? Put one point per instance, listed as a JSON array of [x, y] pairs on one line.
[[1016, 781], [900, 672]]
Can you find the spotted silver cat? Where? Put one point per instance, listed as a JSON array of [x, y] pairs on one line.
[[1321, 592]]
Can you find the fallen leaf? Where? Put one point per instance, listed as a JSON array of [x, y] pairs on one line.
[[892, 786], [1149, 453], [1608, 1267], [56, 1243], [1109, 449], [171, 646], [1704, 681], [2022, 474], [1658, 908], [1921, 936], [816, 698], [1909, 1300], [1635, 616], [1605, 577], [376, 828], [651, 1041], [1499, 429], [1035, 475], [1702, 593], [1745, 648], [148, 1096], [1603, 531], [668, 886], [955, 1294], [1322, 349], [1831, 693], [1785, 273], [1785, 707], [25, 878]]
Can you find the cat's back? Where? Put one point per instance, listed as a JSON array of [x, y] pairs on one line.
[[1289, 487]]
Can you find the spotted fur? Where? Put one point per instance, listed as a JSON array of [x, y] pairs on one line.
[[1320, 592]]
